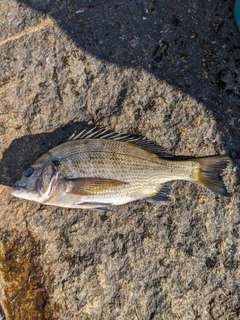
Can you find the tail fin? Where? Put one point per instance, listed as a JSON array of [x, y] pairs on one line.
[[208, 174]]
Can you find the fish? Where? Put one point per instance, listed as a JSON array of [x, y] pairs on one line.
[[98, 169]]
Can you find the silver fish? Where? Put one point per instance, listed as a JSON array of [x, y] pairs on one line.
[[98, 169]]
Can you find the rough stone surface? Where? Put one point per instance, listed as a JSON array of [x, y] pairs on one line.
[[168, 70]]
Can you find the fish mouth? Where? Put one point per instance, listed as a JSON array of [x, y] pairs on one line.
[[16, 187], [16, 190]]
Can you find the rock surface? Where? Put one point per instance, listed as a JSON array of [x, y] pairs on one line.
[[167, 70]]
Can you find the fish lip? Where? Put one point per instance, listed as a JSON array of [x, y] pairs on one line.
[[15, 188]]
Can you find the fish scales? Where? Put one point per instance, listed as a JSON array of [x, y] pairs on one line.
[[112, 160], [98, 172]]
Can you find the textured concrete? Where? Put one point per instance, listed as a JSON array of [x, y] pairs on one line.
[[167, 70]]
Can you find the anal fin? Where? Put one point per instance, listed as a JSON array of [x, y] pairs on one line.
[[161, 197]]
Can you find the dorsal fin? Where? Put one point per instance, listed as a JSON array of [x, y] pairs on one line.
[[153, 148], [103, 133]]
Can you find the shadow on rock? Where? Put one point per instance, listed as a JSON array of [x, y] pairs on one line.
[[23, 151], [193, 46]]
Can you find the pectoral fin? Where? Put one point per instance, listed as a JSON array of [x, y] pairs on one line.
[[91, 186]]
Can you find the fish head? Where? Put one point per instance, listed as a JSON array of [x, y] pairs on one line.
[[37, 182]]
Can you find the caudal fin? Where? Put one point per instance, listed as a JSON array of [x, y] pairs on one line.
[[209, 170]]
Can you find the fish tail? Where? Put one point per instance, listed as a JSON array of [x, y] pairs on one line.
[[208, 172]]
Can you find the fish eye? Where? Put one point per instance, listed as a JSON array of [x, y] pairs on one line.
[[29, 172], [56, 163]]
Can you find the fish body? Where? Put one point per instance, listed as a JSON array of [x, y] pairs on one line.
[[100, 171]]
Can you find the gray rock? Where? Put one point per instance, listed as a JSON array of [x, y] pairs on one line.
[[166, 70]]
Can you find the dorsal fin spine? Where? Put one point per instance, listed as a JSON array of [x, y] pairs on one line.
[[103, 133]]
